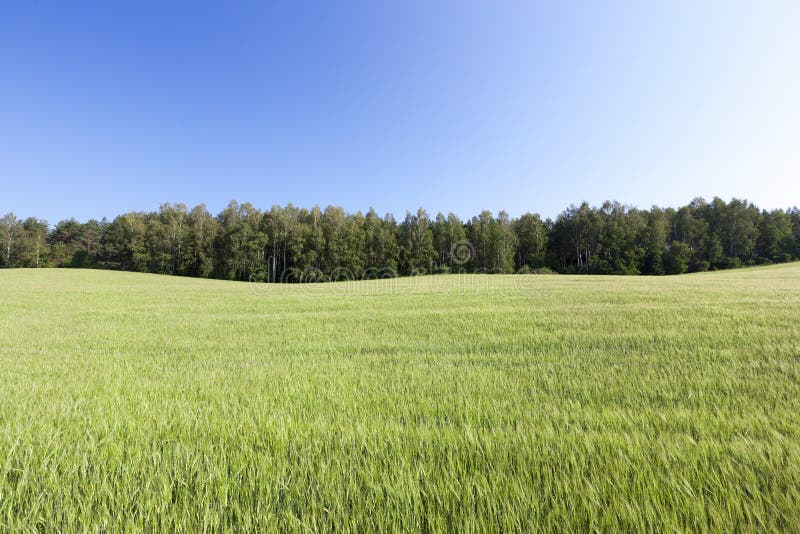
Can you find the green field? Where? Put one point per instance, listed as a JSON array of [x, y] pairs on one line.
[[146, 402]]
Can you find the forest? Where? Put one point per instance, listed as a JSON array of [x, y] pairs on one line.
[[291, 244]]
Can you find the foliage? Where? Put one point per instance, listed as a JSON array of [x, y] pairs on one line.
[[677, 258], [290, 244]]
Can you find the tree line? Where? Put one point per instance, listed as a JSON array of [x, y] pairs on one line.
[[291, 244]]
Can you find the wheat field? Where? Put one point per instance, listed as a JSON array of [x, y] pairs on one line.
[[133, 402]]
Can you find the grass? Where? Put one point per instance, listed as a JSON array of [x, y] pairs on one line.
[[142, 402]]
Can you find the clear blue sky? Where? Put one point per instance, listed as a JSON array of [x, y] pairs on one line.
[[456, 106]]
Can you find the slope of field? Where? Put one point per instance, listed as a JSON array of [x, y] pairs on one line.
[[131, 401]]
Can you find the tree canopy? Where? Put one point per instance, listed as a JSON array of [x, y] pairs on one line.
[[291, 244]]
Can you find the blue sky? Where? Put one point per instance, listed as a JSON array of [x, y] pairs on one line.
[[107, 107]]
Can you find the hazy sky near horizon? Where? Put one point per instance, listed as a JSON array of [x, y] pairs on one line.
[[108, 107]]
